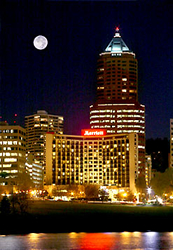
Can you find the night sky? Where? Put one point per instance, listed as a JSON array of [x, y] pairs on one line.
[[62, 78]]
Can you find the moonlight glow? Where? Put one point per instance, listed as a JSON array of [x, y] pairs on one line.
[[40, 42]]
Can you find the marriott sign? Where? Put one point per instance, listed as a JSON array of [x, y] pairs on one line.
[[93, 132]]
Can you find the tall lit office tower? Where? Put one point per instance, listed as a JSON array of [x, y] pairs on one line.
[[171, 142], [117, 108], [36, 126]]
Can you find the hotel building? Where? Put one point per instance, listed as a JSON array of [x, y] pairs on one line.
[[117, 108], [36, 126], [93, 158], [12, 149]]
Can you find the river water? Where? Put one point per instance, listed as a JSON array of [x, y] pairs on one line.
[[88, 241]]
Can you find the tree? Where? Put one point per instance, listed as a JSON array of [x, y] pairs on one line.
[[23, 181], [158, 183], [103, 195], [130, 196], [76, 191], [19, 203], [163, 182], [73, 190], [5, 206], [91, 191], [141, 184]]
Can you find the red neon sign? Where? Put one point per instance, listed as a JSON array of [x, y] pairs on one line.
[[93, 132]]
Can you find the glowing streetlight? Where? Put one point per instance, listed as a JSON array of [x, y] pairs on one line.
[[124, 195], [149, 190]]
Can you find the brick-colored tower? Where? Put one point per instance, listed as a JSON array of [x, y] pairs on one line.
[[117, 108]]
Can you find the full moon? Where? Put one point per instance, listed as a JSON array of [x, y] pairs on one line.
[[40, 42]]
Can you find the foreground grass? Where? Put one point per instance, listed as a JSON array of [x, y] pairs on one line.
[[70, 208], [48, 216]]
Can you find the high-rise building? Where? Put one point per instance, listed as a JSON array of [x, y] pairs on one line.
[[171, 143], [13, 159], [12, 150], [92, 158], [36, 126], [117, 108], [117, 76]]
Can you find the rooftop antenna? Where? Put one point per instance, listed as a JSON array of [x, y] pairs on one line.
[[117, 32]]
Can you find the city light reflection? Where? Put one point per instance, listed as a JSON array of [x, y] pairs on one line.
[[99, 241], [126, 238], [151, 239], [73, 235], [35, 236], [126, 234], [88, 241], [136, 233]]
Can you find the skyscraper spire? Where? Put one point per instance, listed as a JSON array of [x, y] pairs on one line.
[[117, 45]]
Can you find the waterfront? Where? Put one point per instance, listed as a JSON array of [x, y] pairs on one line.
[[60, 217], [88, 241]]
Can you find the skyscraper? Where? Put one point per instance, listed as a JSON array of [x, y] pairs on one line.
[[36, 126], [171, 143], [117, 108]]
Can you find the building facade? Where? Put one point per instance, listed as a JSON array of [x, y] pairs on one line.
[[12, 150], [36, 126], [148, 169], [171, 144], [35, 172], [117, 108], [92, 159]]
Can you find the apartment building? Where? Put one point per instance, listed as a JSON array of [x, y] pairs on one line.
[[12, 149]]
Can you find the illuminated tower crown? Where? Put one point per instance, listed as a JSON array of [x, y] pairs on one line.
[[117, 45], [117, 76]]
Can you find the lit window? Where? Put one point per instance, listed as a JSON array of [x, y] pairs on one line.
[[10, 160]]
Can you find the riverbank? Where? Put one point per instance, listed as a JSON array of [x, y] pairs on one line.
[[59, 217]]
